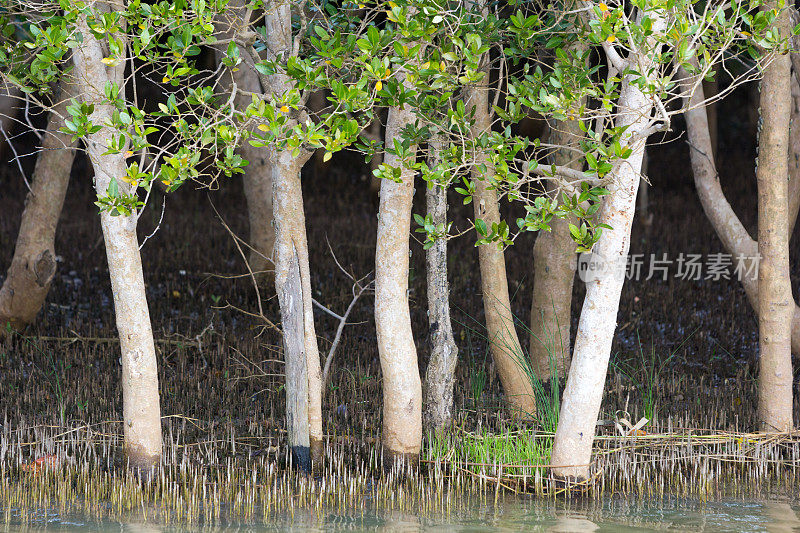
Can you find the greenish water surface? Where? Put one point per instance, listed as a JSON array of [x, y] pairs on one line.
[[511, 514]]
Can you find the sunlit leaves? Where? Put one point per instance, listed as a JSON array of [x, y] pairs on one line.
[[419, 56], [433, 232]]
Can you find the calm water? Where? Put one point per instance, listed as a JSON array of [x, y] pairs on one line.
[[510, 515]]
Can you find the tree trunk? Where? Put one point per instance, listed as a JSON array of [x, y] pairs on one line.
[[258, 194], [141, 411], [292, 323], [293, 285], [554, 264], [439, 377], [402, 388], [34, 263], [775, 303], [711, 88], [511, 362], [583, 394], [257, 179], [291, 260], [729, 228]]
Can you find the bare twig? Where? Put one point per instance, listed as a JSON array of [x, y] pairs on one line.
[[342, 323], [158, 226], [359, 288], [16, 158], [236, 241], [111, 340]]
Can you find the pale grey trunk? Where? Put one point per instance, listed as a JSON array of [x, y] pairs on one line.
[[258, 194], [439, 376], [292, 325], [291, 248], [141, 411], [402, 387], [711, 88], [583, 394], [775, 302], [34, 263], [293, 285]]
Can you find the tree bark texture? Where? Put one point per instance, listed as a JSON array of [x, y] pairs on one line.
[[258, 194], [440, 374], [775, 301], [509, 359], [292, 323], [291, 247], [34, 263], [402, 386], [300, 343], [711, 88], [583, 394], [730, 230], [140, 399], [554, 264]]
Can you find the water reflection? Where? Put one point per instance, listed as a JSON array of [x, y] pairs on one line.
[[136, 527], [569, 524], [512, 514], [783, 517], [401, 523]]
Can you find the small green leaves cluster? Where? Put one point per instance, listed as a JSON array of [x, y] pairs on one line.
[[563, 61], [165, 38], [432, 231]]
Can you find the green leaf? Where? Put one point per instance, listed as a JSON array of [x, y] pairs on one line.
[[321, 32], [113, 188]]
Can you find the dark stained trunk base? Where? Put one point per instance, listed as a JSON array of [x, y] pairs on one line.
[[301, 458]]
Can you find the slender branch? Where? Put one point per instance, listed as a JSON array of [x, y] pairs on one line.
[[16, 158], [614, 58], [323, 308], [339, 329], [359, 288], [158, 226], [556, 171]]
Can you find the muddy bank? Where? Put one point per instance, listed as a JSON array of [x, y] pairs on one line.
[[221, 371]]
